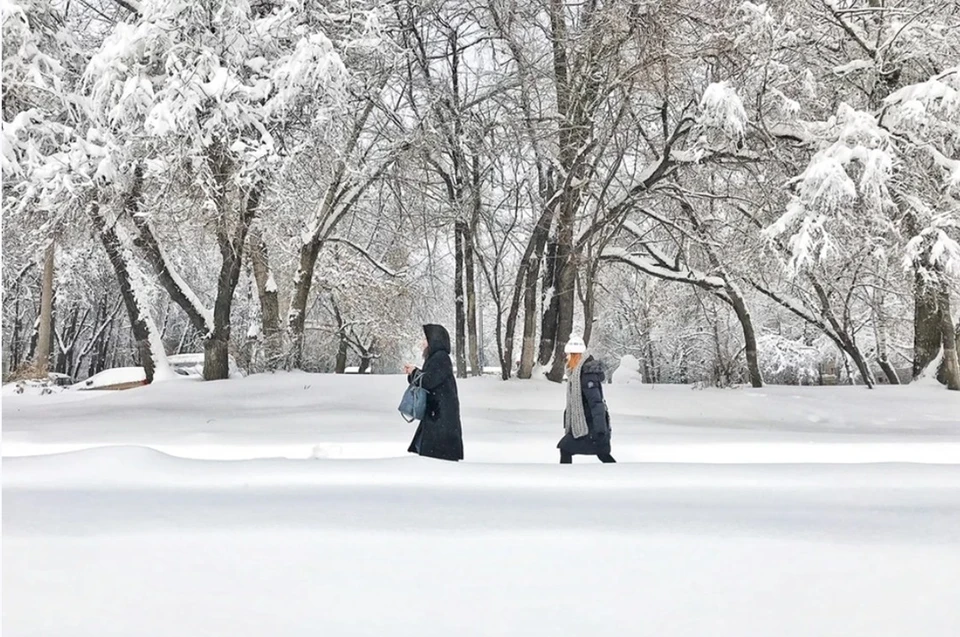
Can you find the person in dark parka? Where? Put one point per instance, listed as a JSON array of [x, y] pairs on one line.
[[439, 434], [586, 423]]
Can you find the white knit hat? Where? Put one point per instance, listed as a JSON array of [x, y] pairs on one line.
[[575, 345]]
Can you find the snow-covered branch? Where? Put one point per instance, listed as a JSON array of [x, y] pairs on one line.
[[656, 266], [366, 255]]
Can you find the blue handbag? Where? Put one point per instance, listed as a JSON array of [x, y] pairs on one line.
[[413, 405]]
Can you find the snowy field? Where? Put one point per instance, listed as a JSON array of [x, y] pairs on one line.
[[286, 505]]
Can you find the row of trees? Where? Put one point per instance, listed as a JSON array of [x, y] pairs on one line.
[[724, 189]]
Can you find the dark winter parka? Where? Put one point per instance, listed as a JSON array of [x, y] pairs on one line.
[[439, 434], [598, 421]]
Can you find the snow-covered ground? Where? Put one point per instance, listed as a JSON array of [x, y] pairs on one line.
[[782, 511]]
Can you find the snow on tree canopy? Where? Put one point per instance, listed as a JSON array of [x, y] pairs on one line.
[[310, 69], [928, 114], [722, 115], [843, 194], [212, 73], [933, 250]]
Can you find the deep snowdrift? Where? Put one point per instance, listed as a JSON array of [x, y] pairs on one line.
[[731, 513], [304, 415]]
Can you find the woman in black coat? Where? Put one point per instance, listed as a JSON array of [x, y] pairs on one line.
[[439, 434], [586, 423]]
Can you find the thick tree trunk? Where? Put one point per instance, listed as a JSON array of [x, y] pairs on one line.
[[45, 332], [216, 359], [566, 297], [460, 324], [216, 355], [927, 338], [577, 74], [950, 367], [269, 300], [549, 305]]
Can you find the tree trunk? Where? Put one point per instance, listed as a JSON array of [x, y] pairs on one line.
[[529, 342], [364, 364], [297, 316], [950, 368], [927, 338], [269, 300], [749, 335], [145, 333], [470, 274], [505, 365], [847, 341], [550, 305], [566, 297], [342, 351], [34, 338], [860, 361], [831, 328], [526, 284], [179, 291], [16, 347], [888, 369], [511, 328], [366, 357], [589, 304], [343, 342], [216, 360], [459, 302], [45, 333], [883, 359], [337, 203]]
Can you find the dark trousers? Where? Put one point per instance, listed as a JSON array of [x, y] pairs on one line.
[[566, 458]]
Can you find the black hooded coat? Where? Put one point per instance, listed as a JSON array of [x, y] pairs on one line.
[[439, 434], [595, 409]]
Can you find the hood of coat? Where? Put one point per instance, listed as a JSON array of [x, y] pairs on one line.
[[593, 366], [438, 339]]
